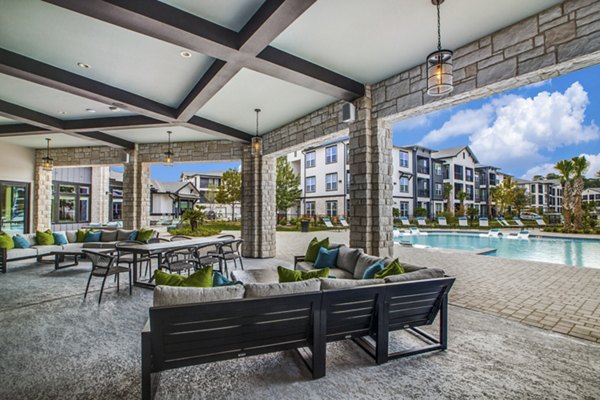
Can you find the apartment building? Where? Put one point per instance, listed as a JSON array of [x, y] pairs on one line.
[[592, 195], [545, 194], [207, 184]]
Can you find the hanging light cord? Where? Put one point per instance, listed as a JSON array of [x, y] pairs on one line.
[[438, 26], [257, 111]]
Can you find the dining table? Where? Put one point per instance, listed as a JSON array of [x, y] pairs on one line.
[[150, 249]]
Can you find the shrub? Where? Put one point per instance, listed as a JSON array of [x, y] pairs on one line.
[[420, 212], [200, 231]]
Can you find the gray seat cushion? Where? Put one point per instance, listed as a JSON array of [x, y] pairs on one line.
[[364, 261], [43, 250], [278, 289], [340, 273], [327, 283], [305, 266], [108, 236], [170, 295], [426, 273], [346, 258], [14, 254], [73, 246]]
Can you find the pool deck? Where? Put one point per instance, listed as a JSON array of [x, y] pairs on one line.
[[549, 296]]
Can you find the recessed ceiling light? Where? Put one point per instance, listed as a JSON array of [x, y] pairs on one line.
[[113, 108], [90, 110], [62, 112], [84, 65], [185, 54]]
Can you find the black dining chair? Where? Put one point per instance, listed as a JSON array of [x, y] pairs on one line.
[[125, 257], [184, 253], [230, 251], [175, 264], [208, 254], [103, 266]]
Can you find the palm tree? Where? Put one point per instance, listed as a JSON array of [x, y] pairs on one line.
[[461, 196], [565, 167], [447, 192], [494, 196], [580, 166]]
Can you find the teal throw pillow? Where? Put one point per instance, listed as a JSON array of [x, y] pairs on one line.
[[60, 239], [133, 235], [326, 258], [219, 280], [21, 242], [91, 236], [373, 269]]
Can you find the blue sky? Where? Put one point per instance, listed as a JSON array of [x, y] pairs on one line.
[[522, 131]]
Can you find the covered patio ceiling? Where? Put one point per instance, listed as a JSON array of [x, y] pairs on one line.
[[123, 72]]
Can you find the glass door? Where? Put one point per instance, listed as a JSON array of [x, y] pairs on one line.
[[14, 207]]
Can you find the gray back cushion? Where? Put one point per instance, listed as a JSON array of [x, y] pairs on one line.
[[346, 258], [426, 273], [72, 236], [278, 289], [123, 234], [108, 236], [172, 295], [364, 261], [327, 283]]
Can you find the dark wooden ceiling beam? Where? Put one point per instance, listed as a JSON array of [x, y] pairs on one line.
[[105, 138], [44, 74], [21, 130], [22, 114], [114, 123], [215, 128]]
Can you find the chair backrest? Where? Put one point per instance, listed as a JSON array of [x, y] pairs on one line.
[[203, 250], [100, 261], [158, 240], [124, 243], [442, 221], [226, 237], [231, 247], [327, 222], [174, 255], [343, 221], [178, 238]]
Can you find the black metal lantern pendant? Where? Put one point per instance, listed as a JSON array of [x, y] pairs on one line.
[[439, 64]]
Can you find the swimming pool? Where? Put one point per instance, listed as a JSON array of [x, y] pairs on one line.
[[574, 252]]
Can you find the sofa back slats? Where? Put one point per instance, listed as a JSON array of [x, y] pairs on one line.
[[199, 333], [350, 313]]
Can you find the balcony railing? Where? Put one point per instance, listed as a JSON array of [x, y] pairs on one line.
[[423, 193], [423, 170]]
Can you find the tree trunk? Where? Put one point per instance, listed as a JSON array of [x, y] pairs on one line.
[[567, 205], [577, 203]]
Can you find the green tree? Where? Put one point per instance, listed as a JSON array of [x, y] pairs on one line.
[[521, 200], [211, 195], [565, 167], [230, 190], [580, 167], [552, 175], [496, 196], [448, 197], [288, 191], [472, 213], [598, 174], [462, 196], [195, 216]]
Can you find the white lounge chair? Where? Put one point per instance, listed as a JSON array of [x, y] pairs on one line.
[[540, 221], [495, 233], [415, 231], [462, 221], [421, 221], [484, 222], [442, 221], [502, 221], [344, 222], [405, 221], [328, 223], [518, 222], [524, 235]]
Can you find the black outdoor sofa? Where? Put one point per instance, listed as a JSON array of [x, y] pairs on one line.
[[191, 334]]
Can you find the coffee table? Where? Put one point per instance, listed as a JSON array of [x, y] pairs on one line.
[[59, 256]]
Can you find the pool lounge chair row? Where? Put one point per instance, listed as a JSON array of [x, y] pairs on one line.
[[484, 222]]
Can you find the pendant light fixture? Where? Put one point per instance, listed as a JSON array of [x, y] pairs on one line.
[[47, 162], [256, 140], [439, 64], [169, 153]]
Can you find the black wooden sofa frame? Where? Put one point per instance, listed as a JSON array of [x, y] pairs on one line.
[[192, 334]]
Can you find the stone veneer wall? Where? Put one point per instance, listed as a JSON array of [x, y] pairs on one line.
[[100, 188]]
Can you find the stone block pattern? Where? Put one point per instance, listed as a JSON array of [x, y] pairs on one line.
[[258, 205], [100, 188], [217, 150], [42, 199]]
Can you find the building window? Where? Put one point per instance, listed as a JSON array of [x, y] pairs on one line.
[[331, 154], [422, 165], [348, 181], [404, 208], [469, 174], [14, 207], [439, 208], [469, 190], [458, 187], [331, 181], [423, 188], [309, 208], [311, 184], [310, 159], [437, 169], [404, 184], [438, 190], [458, 172], [540, 199], [532, 188], [404, 159], [71, 203], [331, 208]]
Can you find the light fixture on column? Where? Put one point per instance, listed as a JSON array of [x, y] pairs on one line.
[[439, 64], [256, 140], [47, 162], [169, 153]]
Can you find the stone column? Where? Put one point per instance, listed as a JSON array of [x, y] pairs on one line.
[[371, 166], [130, 177], [42, 198], [100, 188], [258, 205]]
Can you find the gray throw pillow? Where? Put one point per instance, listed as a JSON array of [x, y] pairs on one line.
[[426, 273], [108, 236], [346, 258], [327, 283], [278, 289], [363, 262], [172, 295], [123, 234]]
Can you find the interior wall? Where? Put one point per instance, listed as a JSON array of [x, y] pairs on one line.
[[17, 164]]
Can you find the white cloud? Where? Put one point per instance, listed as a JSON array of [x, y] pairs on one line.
[[416, 122], [513, 130], [547, 168]]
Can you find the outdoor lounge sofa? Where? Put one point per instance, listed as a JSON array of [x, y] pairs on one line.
[[108, 238], [190, 326]]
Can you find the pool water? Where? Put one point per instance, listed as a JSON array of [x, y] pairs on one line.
[[574, 252]]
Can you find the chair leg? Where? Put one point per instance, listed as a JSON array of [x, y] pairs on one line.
[[130, 285], [87, 286], [118, 283], [241, 262], [101, 290]]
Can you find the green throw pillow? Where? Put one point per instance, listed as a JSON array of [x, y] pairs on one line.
[[44, 238], [393, 268], [313, 248], [80, 238], [145, 235], [201, 278], [6, 241], [290, 275]]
